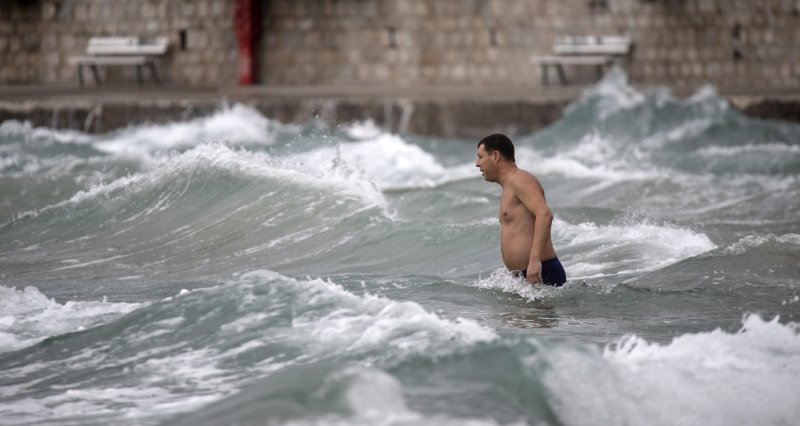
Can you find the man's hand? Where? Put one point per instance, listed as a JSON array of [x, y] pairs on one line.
[[534, 272]]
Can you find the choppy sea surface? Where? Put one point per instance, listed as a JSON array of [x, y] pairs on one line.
[[233, 270]]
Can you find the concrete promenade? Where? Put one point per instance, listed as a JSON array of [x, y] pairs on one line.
[[443, 111]]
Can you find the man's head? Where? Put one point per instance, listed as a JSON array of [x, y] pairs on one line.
[[498, 143], [494, 151]]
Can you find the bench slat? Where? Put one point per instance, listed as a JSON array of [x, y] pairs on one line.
[[114, 41], [592, 45], [572, 60], [598, 51], [120, 51], [142, 49], [110, 60], [126, 46], [614, 49]]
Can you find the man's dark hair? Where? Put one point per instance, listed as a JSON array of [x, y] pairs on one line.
[[500, 143]]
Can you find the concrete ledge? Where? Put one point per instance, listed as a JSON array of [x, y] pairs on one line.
[[437, 111], [448, 119], [448, 112]]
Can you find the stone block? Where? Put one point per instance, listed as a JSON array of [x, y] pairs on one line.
[[152, 25], [93, 12], [48, 11], [188, 9], [203, 8], [728, 69], [193, 74], [162, 11], [51, 59], [697, 70], [785, 70], [218, 8], [212, 74], [31, 42], [196, 39], [81, 12], [146, 10]]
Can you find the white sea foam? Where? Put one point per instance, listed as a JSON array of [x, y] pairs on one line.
[[615, 93], [370, 397], [686, 130], [16, 129], [774, 148], [28, 316], [607, 250], [351, 324], [502, 279], [220, 157], [716, 378], [711, 103], [237, 125], [23, 165], [327, 322], [752, 241], [627, 247], [593, 157], [361, 130], [388, 161]]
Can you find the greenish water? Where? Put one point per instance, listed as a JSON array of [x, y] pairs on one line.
[[235, 270]]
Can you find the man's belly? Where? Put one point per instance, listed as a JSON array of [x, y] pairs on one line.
[[516, 251]]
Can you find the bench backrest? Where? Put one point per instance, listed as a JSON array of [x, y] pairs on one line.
[[126, 46], [592, 45]]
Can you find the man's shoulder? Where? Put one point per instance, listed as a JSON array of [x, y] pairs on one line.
[[524, 182], [523, 177]]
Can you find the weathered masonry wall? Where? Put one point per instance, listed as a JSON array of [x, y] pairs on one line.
[[203, 48], [20, 45], [729, 43]]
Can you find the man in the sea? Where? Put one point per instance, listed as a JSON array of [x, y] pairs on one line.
[[525, 218]]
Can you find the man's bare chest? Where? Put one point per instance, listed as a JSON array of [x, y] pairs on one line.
[[511, 210]]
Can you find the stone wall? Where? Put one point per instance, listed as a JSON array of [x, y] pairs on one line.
[[733, 44], [202, 51], [20, 44]]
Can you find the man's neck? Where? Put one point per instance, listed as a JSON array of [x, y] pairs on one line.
[[507, 169]]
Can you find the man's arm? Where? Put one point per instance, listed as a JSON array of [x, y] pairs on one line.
[[531, 194]]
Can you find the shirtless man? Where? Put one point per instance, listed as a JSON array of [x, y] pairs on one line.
[[525, 219]]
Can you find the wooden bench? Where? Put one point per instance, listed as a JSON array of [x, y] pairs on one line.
[[120, 51], [598, 51]]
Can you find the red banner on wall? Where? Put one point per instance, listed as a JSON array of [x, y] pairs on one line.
[[247, 22]]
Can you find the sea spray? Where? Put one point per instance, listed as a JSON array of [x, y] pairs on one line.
[[234, 268]]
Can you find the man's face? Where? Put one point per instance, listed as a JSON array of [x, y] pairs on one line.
[[487, 163]]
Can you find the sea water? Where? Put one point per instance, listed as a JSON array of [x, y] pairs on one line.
[[236, 270]]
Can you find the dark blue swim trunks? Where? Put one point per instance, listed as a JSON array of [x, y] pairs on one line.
[[552, 272]]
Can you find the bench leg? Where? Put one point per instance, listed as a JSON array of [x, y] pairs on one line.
[[153, 72], [600, 70], [545, 77], [561, 76], [95, 74], [80, 75], [139, 80]]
